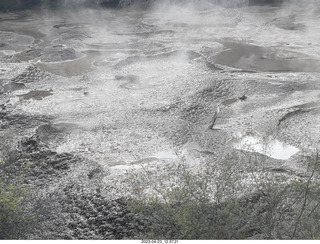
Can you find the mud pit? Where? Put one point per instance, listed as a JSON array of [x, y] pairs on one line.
[[142, 87], [265, 59]]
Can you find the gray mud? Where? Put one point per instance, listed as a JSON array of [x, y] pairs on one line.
[[265, 59], [122, 89]]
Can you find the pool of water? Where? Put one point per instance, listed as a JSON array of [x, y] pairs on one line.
[[270, 147], [265, 59]]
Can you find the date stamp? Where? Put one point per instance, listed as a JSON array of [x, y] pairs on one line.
[[160, 241]]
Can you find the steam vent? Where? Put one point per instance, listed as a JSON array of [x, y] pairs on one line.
[[159, 120]]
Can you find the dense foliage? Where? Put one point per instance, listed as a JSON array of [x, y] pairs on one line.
[[6, 5], [228, 200], [16, 216]]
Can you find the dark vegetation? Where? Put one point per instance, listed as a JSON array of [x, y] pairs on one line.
[[16, 216], [9, 5], [46, 195], [227, 200], [17, 4]]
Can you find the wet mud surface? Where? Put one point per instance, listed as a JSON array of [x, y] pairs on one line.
[[142, 82], [263, 59], [129, 88]]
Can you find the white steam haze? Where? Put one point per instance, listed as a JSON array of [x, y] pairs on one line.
[[148, 78], [162, 80]]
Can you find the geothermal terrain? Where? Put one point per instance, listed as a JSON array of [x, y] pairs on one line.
[[90, 95]]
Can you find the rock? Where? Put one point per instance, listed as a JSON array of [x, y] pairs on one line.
[[69, 193]]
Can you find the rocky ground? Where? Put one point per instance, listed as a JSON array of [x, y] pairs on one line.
[[87, 95]]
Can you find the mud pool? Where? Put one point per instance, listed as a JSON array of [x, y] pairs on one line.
[[129, 87]]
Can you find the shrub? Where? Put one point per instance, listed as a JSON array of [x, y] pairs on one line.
[[230, 199], [187, 203], [16, 216]]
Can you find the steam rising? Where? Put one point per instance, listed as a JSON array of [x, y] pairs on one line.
[[118, 62]]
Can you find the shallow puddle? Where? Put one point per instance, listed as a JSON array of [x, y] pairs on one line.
[[265, 59], [272, 148], [70, 68], [229, 102], [37, 95], [67, 68]]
